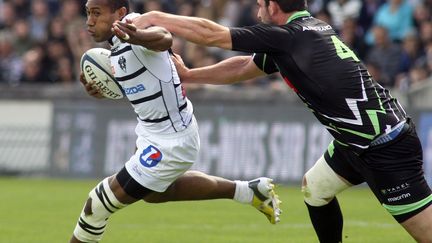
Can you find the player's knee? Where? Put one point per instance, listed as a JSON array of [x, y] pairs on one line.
[[87, 207], [311, 194], [98, 208], [321, 184]]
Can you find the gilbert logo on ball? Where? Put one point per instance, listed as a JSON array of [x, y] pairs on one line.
[[96, 66]]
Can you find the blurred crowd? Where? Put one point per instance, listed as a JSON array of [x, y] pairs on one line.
[[41, 41]]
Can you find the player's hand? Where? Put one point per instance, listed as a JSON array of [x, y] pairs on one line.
[[154, 38], [126, 31], [182, 70], [91, 89]]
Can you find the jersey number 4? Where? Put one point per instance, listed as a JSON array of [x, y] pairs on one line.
[[342, 50]]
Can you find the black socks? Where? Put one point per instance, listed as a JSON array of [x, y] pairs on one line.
[[327, 221]]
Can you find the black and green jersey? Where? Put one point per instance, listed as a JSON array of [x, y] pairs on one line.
[[325, 74]]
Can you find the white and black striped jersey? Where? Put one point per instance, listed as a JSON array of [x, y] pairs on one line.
[[151, 83]]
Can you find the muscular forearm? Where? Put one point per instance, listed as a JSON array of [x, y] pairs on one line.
[[197, 30], [229, 71]]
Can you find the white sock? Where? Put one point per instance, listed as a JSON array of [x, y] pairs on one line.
[[243, 194]]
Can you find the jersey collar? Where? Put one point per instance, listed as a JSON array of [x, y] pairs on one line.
[[111, 40], [298, 14]]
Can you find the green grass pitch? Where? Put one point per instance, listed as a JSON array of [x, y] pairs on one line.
[[46, 210]]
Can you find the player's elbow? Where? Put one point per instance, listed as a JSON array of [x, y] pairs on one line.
[[217, 41], [220, 40], [214, 35]]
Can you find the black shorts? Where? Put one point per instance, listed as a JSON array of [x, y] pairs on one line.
[[393, 171]]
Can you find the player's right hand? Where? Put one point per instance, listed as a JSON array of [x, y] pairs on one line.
[[91, 89]]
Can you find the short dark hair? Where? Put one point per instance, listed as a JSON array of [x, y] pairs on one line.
[[116, 4], [289, 5]]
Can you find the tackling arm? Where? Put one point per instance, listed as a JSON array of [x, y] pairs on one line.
[[229, 71], [197, 30]]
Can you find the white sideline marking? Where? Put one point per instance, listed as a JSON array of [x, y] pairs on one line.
[[283, 224]]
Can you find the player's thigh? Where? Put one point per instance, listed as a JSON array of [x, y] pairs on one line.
[[420, 225], [343, 162], [160, 160], [192, 185], [395, 175]]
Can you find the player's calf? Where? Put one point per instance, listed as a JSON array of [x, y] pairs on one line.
[[93, 219], [320, 186]]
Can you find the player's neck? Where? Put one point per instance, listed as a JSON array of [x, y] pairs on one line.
[[293, 15], [280, 19]]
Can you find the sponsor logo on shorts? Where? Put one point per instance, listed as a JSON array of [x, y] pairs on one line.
[[400, 197], [395, 189], [150, 156]]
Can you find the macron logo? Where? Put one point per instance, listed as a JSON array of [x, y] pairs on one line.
[[403, 196]]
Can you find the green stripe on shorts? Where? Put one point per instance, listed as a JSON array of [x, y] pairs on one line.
[[330, 149], [401, 209]]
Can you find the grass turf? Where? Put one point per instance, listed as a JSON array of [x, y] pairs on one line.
[[46, 210]]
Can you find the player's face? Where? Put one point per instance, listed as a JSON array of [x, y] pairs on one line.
[[100, 19], [263, 12]]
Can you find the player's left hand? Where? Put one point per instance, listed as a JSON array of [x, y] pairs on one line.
[[154, 38], [126, 31]]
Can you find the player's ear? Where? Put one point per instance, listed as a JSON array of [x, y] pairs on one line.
[[273, 8], [122, 12]]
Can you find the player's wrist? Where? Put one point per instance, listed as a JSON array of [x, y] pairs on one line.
[[188, 76]]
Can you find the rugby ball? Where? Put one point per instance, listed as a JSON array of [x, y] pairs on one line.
[[96, 67]]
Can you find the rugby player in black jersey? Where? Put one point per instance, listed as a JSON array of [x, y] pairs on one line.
[[374, 139]]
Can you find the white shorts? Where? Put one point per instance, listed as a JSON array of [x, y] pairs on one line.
[[160, 159]]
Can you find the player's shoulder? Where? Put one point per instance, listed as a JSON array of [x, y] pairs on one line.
[[157, 62]]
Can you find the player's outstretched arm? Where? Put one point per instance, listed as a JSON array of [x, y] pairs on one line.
[[197, 30], [229, 71], [153, 38]]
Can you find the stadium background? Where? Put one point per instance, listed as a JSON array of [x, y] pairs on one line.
[[49, 127]]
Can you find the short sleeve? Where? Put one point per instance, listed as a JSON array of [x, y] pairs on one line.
[[260, 38], [265, 63]]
